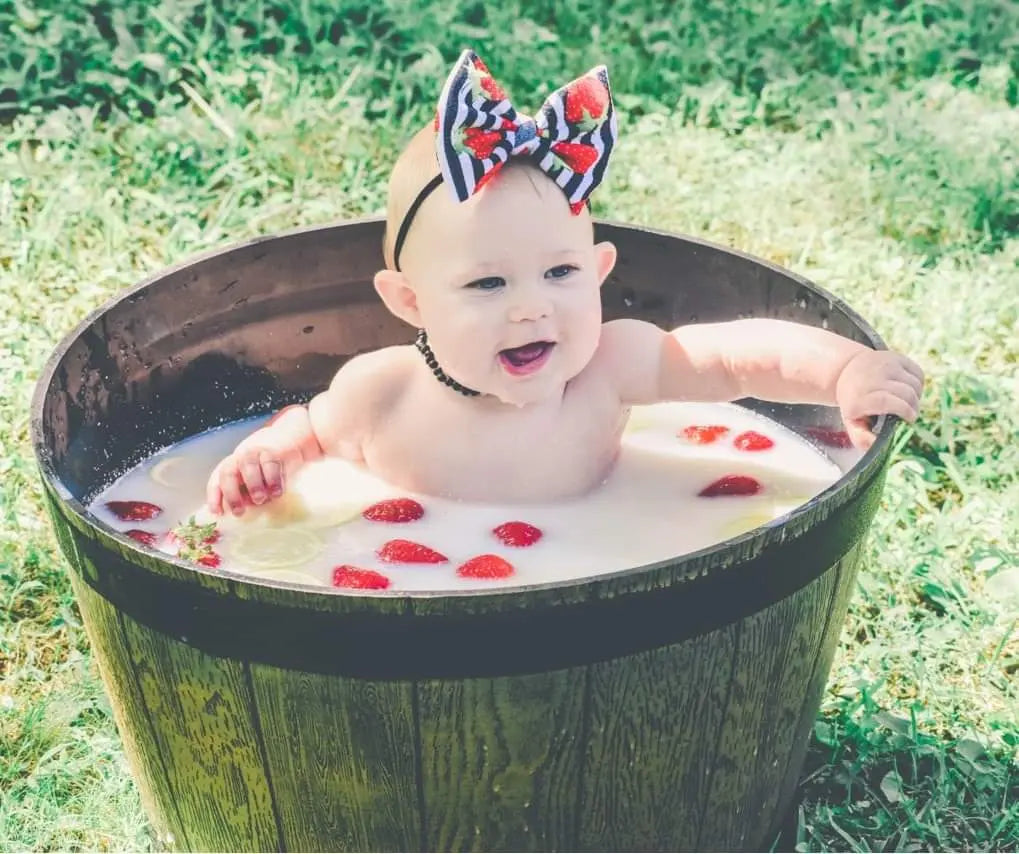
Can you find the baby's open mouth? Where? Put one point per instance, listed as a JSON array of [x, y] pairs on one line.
[[526, 359]]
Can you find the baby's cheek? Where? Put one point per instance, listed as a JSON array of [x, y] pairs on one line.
[[585, 331]]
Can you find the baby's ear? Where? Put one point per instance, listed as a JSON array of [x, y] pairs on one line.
[[604, 259], [398, 296]]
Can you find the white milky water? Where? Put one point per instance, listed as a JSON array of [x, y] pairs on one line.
[[648, 509]]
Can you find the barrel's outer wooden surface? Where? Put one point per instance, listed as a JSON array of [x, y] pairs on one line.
[[665, 708]]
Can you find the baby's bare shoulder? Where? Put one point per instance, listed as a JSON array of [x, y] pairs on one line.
[[623, 333], [362, 392], [628, 356], [376, 378]]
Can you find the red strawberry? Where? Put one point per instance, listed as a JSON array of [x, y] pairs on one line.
[[488, 176], [359, 579], [486, 566], [578, 156], [146, 537], [395, 510], [211, 559], [133, 511], [703, 434], [518, 534], [405, 551], [492, 89], [586, 101], [481, 142], [751, 440], [830, 437], [173, 539], [732, 484]]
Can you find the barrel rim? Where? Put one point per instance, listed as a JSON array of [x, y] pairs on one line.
[[665, 573]]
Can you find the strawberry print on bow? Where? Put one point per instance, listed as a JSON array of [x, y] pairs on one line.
[[479, 130]]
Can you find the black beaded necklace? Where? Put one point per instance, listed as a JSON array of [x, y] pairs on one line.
[[421, 342]]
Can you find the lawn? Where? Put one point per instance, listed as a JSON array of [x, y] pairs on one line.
[[878, 158]]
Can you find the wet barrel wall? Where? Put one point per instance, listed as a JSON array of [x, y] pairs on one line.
[[664, 707]]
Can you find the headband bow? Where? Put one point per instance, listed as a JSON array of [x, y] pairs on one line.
[[479, 130]]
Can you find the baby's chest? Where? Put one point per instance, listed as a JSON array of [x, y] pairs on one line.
[[509, 459]]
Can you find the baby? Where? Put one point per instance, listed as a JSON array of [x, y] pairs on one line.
[[515, 390]]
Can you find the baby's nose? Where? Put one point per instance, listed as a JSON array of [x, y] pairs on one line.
[[530, 303]]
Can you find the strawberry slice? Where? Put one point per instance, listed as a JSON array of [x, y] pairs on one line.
[[586, 101], [488, 176], [147, 538], [481, 142], [830, 437], [486, 566], [359, 579], [578, 156], [703, 434], [732, 484], [173, 539], [395, 510], [492, 89], [133, 511], [518, 534], [406, 551], [751, 440], [212, 559]]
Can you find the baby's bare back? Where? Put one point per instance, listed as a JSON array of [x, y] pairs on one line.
[[431, 439]]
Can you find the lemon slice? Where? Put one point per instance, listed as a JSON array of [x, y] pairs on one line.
[[332, 515], [276, 548], [639, 420], [290, 575], [788, 504], [742, 524], [171, 471], [288, 509], [292, 507]]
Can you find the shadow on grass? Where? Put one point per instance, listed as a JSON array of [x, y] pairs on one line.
[[874, 783]]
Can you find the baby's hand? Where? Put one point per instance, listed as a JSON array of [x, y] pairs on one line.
[[877, 382], [255, 472], [250, 476]]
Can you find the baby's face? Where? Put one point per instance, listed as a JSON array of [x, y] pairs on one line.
[[508, 286]]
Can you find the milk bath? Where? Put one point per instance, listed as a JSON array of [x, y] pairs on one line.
[[654, 506]]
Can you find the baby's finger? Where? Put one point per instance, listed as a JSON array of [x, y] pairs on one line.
[[903, 374], [885, 402], [906, 391], [213, 494], [860, 433], [230, 484], [913, 369], [254, 483], [272, 474], [214, 498]]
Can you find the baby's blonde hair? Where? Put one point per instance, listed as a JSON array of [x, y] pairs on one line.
[[415, 167]]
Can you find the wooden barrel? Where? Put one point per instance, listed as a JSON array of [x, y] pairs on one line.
[[664, 707]]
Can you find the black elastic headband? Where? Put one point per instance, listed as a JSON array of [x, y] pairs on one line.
[[408, 217], [401, 234]]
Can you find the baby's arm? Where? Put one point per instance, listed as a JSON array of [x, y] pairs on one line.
[[334, 422], [767, 359]]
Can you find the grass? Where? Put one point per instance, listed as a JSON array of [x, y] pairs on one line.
[[901, 199], [774, 54]]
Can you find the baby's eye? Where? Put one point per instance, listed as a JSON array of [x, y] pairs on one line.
[[561, 271], [489, 283]]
